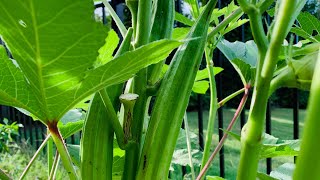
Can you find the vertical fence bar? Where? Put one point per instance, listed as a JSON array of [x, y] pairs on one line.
[[268, 130], [220, 113]]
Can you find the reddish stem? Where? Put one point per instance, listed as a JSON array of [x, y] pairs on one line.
[[225, 135]]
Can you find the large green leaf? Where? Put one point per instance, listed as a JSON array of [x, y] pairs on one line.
[[243, 57], [55, 45]]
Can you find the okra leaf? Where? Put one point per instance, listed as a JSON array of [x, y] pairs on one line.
[[106, 51], [55, 45], [273, 147], [71, 123], [14, 89], [53, 42], [243, 57], [203, 74], [283, 172], [200, 87], [182, 19], [285, 148], [309, 27], [225, 12]]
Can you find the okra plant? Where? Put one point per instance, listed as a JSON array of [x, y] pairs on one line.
[[61, 58]]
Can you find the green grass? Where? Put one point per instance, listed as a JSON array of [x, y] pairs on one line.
[[282, 127], [13, 164]]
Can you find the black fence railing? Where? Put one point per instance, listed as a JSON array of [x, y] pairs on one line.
[[34, 131]]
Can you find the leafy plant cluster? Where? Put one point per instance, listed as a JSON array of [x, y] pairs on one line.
[[63, 58], [7, 134]]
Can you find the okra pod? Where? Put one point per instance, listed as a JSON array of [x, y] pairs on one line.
[[172, 100]]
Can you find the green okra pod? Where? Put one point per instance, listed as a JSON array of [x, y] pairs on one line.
[[172, 100]]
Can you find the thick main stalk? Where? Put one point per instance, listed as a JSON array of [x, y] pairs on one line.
[[252, 132]]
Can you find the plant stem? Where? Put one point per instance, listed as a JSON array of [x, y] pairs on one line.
[[252, 131], [186, 126], [224, 23], [213, 106], [49, 153], [219, 146], [142, 35], [116, 18], [308, 164], [62, 149], [36, 154], [113, 118], [231, 96], [4, 176], [54, 166]]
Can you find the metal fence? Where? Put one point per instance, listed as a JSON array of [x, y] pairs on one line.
[[34, 131]]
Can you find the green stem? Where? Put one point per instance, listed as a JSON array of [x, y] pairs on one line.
[[186, 126], [116, 18], [49, 154], [143, 30], [62, 149], [113, 118], [252, 131], [224, 23], [308, 164], [231, 96], [36, 154], [143, 23], [213, 107], [3, 175], [54, 166]]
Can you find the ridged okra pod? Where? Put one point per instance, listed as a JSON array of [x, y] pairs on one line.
[[172, 100], [97, 143]]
